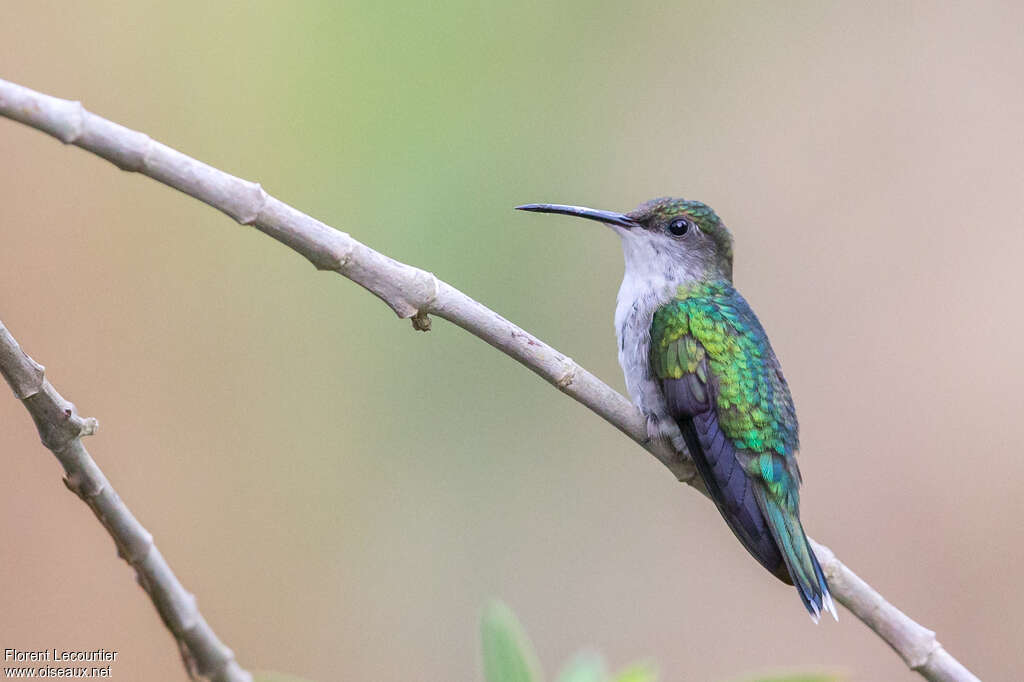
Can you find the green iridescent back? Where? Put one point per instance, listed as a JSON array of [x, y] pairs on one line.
[[710, 336]]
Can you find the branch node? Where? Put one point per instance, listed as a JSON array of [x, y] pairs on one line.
[[147, 144], [921, 661], [70, 133], [435, 291], [73, 482], [338, 255], [425, 303], [189, 614], [137, 548], [88, 426], [256, 207], [24, 375], [421, 322], [568, 375]]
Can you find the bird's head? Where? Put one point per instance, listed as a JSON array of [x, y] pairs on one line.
[[674, 232]]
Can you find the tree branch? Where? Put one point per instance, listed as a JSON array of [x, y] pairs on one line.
[[61, 430], [415, 294]]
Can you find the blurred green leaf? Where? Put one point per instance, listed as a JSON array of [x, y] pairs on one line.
[[508, 654], [587, 666], [637, 673]]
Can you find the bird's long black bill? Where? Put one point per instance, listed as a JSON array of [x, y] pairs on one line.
[[610, 217]]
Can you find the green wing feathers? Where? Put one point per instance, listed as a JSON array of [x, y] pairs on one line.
[[752, 399], [709, 340]]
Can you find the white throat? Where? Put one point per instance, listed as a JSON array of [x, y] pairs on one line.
[[654, 269]]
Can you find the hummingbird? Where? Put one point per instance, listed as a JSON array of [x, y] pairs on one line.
[[699, 367]]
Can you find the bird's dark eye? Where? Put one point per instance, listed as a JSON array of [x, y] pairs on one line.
[[679, 226]]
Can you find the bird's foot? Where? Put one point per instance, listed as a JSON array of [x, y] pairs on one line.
[[653, 430], [668, 431], [660, 429]]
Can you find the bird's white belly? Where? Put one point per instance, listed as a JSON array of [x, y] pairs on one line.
[[633, 315]]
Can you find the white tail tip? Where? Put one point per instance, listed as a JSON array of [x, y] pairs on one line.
[[830, 606]]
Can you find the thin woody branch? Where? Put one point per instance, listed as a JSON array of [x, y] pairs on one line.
[[415, 294], [61, 429]]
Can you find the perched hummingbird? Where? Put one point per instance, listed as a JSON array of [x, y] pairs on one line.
[[699, 367]]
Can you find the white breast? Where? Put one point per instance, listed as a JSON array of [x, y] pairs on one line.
[[644, 289]]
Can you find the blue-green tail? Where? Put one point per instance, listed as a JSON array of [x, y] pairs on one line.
[[803, 566], [770, 532]]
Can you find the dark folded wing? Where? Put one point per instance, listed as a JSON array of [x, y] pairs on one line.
[[718, 465]]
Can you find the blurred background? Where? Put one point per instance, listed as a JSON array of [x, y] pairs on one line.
[[343, 494]]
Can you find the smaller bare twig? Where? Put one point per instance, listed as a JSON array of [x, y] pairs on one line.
[[61, 429]]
